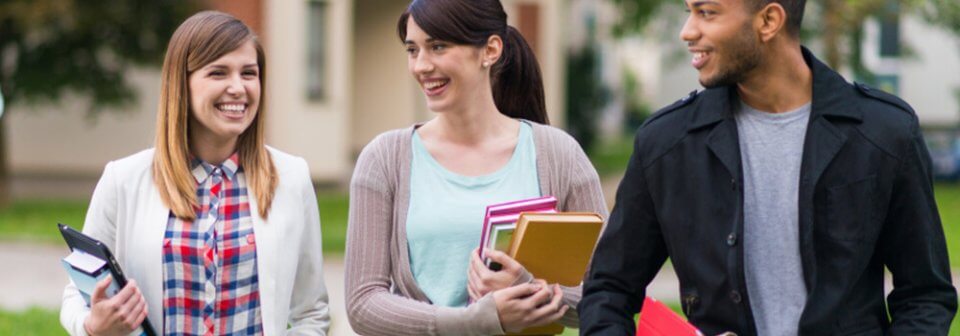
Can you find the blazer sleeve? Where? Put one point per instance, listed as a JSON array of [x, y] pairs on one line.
[[100, 223], [629, 254], [309, 309], [923, 300], [373, 307]]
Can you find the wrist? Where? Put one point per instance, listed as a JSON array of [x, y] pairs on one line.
[[86, 326]]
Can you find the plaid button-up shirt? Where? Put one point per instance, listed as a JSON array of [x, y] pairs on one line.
[[210, 265]]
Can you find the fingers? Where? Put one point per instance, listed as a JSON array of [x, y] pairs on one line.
[[521, 291], [551, 311], [509, 264], [100, 290], [136, 317], [127, 292], [131, 306]]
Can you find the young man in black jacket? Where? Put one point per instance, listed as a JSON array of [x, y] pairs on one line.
[[779, 193]]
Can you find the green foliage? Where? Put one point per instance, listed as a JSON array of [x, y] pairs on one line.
[[586, 94], [51, 47], [636, 109], [636, 14]]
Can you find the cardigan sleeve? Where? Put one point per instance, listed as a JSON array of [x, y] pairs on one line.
[[373, 306], [582, 192], [309, 311], [100, 223]]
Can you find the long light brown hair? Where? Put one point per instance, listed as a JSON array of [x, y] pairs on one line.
[[200, 40]]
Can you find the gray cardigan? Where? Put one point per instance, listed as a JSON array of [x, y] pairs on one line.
[[382, 296]]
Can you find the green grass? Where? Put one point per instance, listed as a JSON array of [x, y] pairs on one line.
[[948, 202], [610, 158], [34, 321], [36, 220]]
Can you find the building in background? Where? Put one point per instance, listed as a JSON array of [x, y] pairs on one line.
[[337, 77]]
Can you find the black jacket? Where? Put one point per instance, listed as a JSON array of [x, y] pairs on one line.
[[866, 202]]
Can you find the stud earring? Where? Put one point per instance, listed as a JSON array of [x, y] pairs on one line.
[[486, 64]]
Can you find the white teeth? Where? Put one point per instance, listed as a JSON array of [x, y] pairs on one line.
[[232, 107], [433, 84]]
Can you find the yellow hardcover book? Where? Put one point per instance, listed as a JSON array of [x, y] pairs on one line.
[[555, 247]]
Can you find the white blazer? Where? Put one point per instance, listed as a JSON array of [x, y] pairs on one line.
[[126, 214]]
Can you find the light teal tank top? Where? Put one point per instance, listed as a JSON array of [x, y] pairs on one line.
[[446, 215]]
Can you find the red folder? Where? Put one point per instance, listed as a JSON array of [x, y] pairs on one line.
[[657, 319]]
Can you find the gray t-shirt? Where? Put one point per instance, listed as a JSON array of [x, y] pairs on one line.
[[771, 148]]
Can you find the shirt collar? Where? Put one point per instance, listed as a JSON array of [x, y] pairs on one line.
[[202, 170]]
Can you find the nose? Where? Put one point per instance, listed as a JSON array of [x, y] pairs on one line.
[[235, 85], [690, 32], [422, 63]]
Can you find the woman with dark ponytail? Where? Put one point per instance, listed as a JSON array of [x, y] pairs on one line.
[[418, 194]]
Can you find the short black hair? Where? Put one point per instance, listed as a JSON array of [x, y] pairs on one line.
[[794, 9]]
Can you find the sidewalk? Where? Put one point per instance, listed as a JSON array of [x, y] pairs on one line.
[[39, 280]]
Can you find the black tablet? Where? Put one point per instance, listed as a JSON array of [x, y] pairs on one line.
[[76, 240]]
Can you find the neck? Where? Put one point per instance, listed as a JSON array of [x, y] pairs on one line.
[[477, 120], [782, 82], [212, 150]]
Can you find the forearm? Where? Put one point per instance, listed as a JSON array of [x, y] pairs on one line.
[[376, 311]]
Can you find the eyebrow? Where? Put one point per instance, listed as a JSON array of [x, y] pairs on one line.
[[221, 66], [429, 40], [703, 2]]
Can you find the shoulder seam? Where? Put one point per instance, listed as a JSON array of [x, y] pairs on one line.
[[672, 107]]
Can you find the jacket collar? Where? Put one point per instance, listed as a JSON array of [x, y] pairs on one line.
[[829, 100]]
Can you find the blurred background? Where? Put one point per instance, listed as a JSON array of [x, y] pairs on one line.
[[80, 82]]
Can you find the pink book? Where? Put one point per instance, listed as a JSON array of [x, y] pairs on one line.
[[500, 217], [657, 319]]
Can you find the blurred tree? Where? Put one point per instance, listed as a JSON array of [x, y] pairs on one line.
[[52, 47], [586, 94], [839, 21]]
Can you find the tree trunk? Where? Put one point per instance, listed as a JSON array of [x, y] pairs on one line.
[[832, 32], [5, 197]]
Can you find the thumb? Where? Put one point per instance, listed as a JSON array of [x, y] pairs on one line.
[[100, 290]]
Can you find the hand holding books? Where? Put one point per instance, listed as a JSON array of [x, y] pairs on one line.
[[529, 305], [482, 280], [118, 315]]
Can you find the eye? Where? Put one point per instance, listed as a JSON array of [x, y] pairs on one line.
[[411, 50], [706, 13], [439, 47], [250, 73], [217, 73]]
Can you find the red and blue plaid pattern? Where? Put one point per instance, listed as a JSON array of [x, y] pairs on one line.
[[210, 265]]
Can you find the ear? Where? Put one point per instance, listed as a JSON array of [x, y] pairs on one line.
[[771, 20], [491, 52]]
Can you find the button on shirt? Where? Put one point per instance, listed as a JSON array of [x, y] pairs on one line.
[[210, 264]]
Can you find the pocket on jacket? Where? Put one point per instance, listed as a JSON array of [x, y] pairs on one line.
[[866, 326], [850, 208], [689, 301]]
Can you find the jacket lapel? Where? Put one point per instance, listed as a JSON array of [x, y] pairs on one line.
[[266, 240], [722, 140], [822, 143]]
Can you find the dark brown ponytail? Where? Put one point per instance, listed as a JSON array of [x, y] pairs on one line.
[[516, 79]]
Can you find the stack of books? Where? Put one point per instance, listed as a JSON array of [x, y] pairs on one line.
[[500, 222], [553, 246]]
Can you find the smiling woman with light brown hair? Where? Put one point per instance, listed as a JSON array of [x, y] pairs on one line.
[[219, 232]]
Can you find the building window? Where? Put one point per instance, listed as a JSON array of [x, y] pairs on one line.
[[316, 50], [890, 30]]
